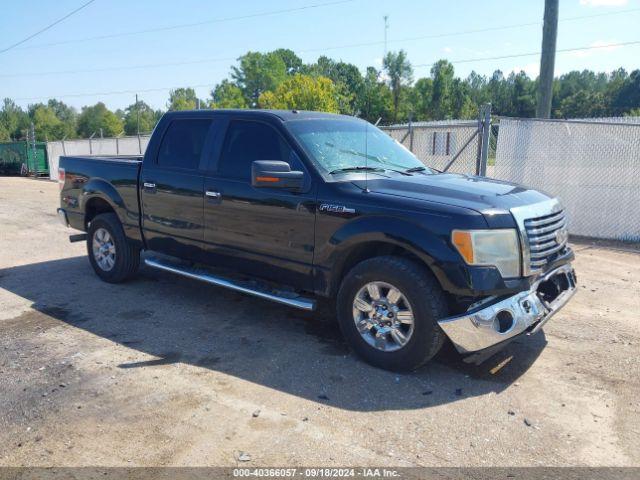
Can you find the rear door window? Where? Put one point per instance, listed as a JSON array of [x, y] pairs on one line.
[[182, 144]]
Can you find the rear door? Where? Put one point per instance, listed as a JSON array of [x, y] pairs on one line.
[[264, 232], [171, 191]]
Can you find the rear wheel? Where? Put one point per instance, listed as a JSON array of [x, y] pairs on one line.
[[112, 256], [388, 309]]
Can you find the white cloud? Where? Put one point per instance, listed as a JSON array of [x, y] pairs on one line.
[[447, 49], [604, 3]]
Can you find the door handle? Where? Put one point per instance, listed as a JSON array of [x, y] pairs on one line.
[[211, 194], [149, 185]]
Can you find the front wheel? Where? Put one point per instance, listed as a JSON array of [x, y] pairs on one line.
[[112, 256], [388, 308]]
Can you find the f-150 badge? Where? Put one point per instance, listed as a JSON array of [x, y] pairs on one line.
[[325, 207]]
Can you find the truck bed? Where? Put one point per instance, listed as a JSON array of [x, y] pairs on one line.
[[117, 175]]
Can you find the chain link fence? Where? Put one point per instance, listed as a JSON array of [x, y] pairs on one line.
[[592, 165]]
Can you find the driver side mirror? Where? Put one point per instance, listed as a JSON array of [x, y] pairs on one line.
[[276, 174]]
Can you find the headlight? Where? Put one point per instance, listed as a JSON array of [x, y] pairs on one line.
[[499, 248]]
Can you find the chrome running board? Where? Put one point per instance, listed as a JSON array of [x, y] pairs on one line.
[[204, 276]]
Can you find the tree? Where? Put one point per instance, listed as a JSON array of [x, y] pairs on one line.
[[258, 73], [628, 95], [420, 98], [67, 115], [182, 99], [345, 76], [582, 104], [374, 100], [13, 119], [399, 73], [92, 119], [148, 118], [442, 74], [227, 95], [302, 92], [523, 95], [46, 124], [463, 106], [292, 62], [4, 134]]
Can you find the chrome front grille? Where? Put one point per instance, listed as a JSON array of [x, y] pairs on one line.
[[546, 236]]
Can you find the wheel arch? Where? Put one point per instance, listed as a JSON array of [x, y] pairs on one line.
[[99, 196], [377, 236]]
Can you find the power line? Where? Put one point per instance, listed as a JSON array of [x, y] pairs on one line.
[[188, 25], [51, 25], [336, 47], [116, 92], [500, 57], [530, 54], [122, 67], [469, 32], [230, 59]]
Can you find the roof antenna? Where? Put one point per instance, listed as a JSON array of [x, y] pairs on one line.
[[366, 158]]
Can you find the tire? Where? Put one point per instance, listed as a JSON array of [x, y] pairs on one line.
[[124, 262], [421, 296]]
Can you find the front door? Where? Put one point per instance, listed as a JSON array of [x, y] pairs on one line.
[[172, 190], [264, 232]]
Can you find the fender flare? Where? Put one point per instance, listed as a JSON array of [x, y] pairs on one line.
[[427, 246], [99, 188]]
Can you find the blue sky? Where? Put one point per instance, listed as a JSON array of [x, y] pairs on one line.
[[202, 54]]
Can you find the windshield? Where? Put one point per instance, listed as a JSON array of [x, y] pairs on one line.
[[343, 146]]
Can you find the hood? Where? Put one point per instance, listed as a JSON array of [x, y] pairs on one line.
[[481, 194]]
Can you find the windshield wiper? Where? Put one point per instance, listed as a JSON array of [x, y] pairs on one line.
[[415, 169], [356, 169]]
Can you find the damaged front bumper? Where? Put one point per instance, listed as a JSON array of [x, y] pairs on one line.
[[488, 324]]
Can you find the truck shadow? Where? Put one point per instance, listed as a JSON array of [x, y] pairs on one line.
[[175, 320]]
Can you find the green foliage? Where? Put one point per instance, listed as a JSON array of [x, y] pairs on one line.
[[345, 76], [400, 75], [302, 92], [582, 104], [46, 124], [258, 73], [227, 95], [142, 113], [420, 99], [13, 119], [4, 134], [182, 99], [442, 105], [375, 100], [67, 115], [292, 62], [279, 79], [92, 119]]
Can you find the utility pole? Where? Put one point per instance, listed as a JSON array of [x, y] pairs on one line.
[[137, 116], [386, 27], [547, 58]]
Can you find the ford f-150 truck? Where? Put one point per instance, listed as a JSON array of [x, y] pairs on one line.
[[294, 206]]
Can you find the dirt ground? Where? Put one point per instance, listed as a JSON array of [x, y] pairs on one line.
[[166, 371]]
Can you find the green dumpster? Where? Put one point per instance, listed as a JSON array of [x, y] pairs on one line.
[[13, 155]]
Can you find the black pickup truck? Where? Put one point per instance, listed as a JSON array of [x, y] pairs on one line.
[[294, 206]]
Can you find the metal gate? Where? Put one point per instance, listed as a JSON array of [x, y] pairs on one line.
[[459, 146]]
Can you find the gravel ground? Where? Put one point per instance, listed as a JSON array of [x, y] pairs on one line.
[[166, 371]]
